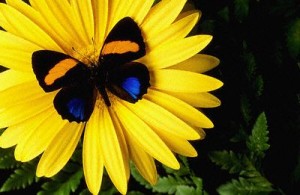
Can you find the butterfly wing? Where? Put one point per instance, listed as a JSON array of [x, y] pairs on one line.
[[75, 103], [55, 70], [123, 44], [129, 81]]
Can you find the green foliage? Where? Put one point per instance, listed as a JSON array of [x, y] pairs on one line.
[[22, 177], [242, 186], [62, 184], [293, 38], [250, 180], [258, 140], [241, 9], [7, 159], [178, 182]]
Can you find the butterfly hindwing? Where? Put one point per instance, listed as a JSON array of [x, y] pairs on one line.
[[123, 44], [129, 81], [75, 103], [55, 70]]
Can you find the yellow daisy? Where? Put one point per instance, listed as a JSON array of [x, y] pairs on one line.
[[148, 116]]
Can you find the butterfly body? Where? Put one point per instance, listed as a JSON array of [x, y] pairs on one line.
[[116, 72]]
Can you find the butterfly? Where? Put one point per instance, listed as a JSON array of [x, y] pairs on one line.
[[78, 83]]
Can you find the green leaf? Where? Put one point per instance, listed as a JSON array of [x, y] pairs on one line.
[[227, 160], [135, 193], [258, 140], [167, 185], [184, 189], [293, 38], [20, 178], [62, 184], [241, 9], [245, 186], [7, 159]]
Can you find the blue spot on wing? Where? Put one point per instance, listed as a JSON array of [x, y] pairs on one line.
[[132, 86], [76, 108]]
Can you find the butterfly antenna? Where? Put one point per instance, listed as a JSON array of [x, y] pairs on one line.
[[83, 56]]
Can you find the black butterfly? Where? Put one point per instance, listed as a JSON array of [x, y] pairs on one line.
[[78, 83]]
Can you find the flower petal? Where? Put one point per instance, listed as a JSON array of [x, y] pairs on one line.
[[15, 52], [83, 12], [20, 112], [145, 137], [28, 30], [180, 109], [39, 138], [139, 9], [100, 9], [14, 78], [37, 18], [60, 150], [92, 155], [162, 120], [21, 93], [144, 162], [199, 63], [157, 19], [183, 81], [177, 30], [122, 141], [200, 100], [70, 38], [111, 151], [175, 51], [16, 133], [177, 144]]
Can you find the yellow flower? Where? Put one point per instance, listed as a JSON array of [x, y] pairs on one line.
[[155, 127]]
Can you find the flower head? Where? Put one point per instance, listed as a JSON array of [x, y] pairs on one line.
[[76, 69]]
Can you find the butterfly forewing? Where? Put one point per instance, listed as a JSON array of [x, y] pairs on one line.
[[55, 70], [123, 44]]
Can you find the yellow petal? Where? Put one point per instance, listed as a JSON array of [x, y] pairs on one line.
[[37, 18], [37, 141], [21, 93], [183, 81], [118, 10], [83, 13], [16, 133], [176, 31], [20, 112], [175, 51], [199, 63], [92, 155], [70, 37], [180, 109], [139, 10], [177, 144], [201, 100], [162, 120], [15, 52], [157, 19], [111, 151], [14, 78], [145, 137], [144, 162], [28, 30], [122, 141], [60, 150], [100, 9]]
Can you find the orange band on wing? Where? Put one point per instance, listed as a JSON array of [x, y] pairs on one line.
[[59, 70], [120, 47]]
